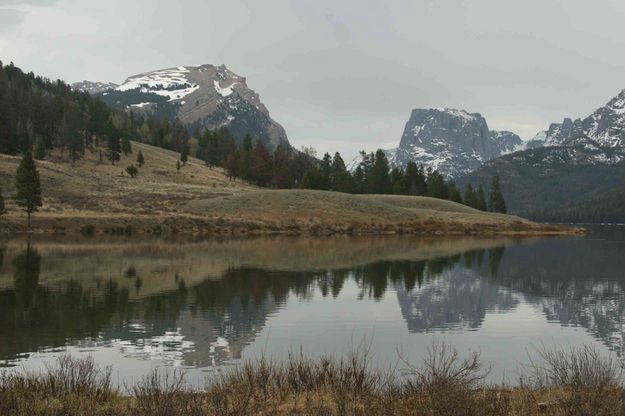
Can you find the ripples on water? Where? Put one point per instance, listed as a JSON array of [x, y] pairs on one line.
[[138, 304]]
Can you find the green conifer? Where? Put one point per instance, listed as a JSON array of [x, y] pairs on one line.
[[28, 186]]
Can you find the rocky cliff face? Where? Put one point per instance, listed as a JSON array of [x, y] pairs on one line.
[[94, 87], [206, 96], [454, 142], [605, 128]]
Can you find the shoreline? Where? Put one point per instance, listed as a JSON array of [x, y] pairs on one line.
[[198, 226]]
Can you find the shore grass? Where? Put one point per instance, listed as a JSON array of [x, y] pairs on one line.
[[577, 381]]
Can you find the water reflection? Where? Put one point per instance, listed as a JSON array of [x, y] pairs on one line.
[[201, 303]]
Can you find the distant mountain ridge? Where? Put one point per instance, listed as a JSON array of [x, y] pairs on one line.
[[566, 169], [453, 142], [94, 88], [205, 96], [605, 127]]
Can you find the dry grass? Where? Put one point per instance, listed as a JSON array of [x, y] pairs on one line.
[[445, 384], [93, 196]]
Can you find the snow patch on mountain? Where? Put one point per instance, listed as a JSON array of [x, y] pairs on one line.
[[226, 91], [171, 83], [451, 141]]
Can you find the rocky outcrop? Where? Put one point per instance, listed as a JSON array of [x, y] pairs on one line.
[[454, 142], [206, 96]]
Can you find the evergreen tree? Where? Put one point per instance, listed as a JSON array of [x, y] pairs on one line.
[[411, 177], [436, 186], [132, 171], [340, 179], [27, 185], [262, 165], [480, 199], [184, 154], [282, 177], [126, 146], [2, 206], [113, 147], [398, 183], [359, 180], [497, 202], [178, 165], [378, 179], [245, 159], [325, 172], [470, 197], [140, 159], [231, 164], [453, 193]]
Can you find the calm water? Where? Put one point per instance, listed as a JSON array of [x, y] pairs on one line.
[[203, 306]]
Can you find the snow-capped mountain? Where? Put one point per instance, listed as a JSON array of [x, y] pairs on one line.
[[94, 87], [454, 142], [604, 128], [205, 96]]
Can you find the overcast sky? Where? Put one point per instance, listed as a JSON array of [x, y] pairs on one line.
[[342, 75]]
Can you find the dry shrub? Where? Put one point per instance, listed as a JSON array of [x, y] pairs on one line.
[[446, 383], [578, 367]]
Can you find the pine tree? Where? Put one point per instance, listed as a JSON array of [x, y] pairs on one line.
[[325, 172], [262, 165], [140, 159], [378, 179], [497, 202], [397, 182], [469, 197], [245, 159], [28, 186], [126, 146], [2, 207], [480, 199], [231, 164], [453, 193], [340, 179], [113, 147], [411, 175], [281, 173], [436, 186], [132, 171], [184, 154]]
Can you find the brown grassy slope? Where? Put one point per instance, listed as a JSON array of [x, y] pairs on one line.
[[94, 192], [97, 196], [320, 212]]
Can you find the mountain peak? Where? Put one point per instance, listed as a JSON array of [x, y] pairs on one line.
[[451, 141], [93, 87], [206, 96]]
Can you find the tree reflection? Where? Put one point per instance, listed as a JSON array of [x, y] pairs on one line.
[[233, 308], [27, 266]]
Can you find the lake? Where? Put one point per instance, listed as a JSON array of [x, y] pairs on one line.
[[137, 304]]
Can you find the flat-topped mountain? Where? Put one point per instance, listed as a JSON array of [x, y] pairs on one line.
[[454, 142], [206, 96]]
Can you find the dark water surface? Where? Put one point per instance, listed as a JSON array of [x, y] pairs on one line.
[[138, 304]]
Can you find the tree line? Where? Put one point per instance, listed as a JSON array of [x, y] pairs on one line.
[[286, 168]]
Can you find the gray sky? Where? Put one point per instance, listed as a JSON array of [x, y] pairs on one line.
[[342, 75]]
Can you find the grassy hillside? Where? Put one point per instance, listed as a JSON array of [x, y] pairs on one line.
[[95, 196]]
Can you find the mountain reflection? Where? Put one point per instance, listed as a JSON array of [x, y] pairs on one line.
[[205, 312]]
